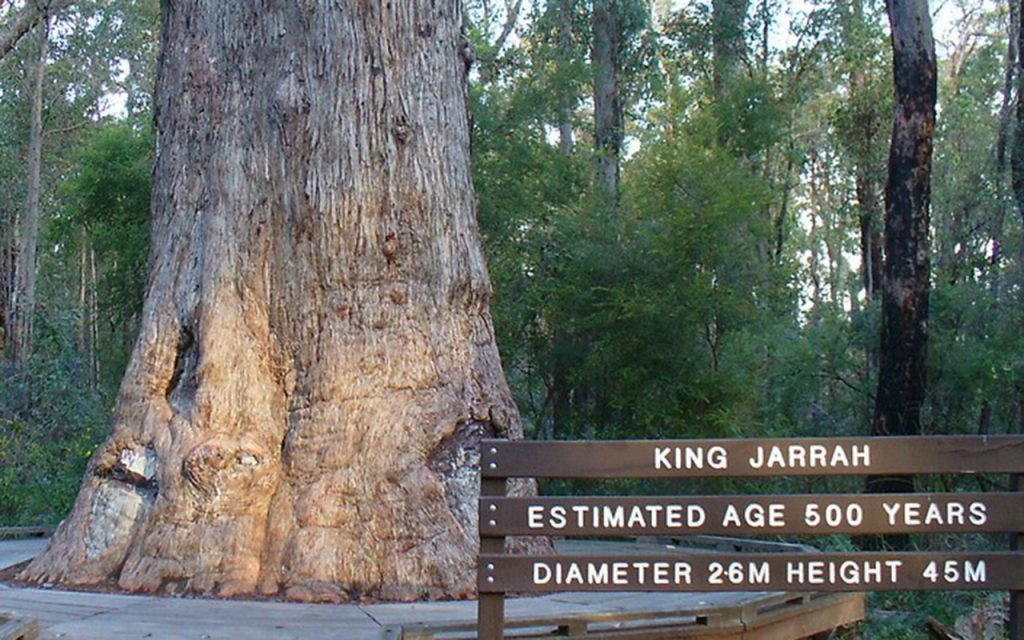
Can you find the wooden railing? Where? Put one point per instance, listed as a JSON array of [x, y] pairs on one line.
[[26, 532]]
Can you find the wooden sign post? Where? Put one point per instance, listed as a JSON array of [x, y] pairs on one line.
[[819, 514]]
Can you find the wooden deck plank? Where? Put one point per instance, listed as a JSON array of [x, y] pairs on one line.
[[814, 617], [14, 628], [14, 551], [66, 615]]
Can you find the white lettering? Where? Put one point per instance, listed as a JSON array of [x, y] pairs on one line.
[[731, 517], [979, 515], [718, 457], [671, 458], [694, 458], [845, 572], [535, 516], [974, 572], [541, 573], [861, 455], [638, 573], [757, 460], [661, 460], [817, 454], [797, 456], [559, 517], [891, 509], [917, 514]]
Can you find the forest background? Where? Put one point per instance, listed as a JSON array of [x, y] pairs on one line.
[[681, 203]]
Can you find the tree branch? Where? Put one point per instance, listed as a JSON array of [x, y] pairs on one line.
[[22, 22], [511, 16]]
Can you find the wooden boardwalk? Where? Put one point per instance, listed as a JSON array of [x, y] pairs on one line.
[[70, 615]]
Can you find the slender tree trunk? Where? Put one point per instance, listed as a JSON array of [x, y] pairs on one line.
[[8, 256], [565, 137], [779, 222], [608, 131], [1017, 171], [1006, 117], [316, 364], [25, 305], [94, 321], [766, 28], [729, 44], [1017, 150], [1010, 75], [867, 126], [83, 305], [870, 235], [905, 279]]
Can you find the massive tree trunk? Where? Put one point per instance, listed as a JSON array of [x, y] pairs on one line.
[[608, 124], [316, 361], [905, 279]]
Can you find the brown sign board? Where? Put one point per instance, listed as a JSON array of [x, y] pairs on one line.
[[752, 457], [700, 572], [753, 515], [745, 515]]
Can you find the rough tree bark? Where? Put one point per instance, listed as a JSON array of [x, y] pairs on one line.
[[905, 278], [608, 130], [316, 361]]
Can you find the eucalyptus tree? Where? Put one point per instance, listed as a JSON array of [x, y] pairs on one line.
[[316, 362], [906, 274]]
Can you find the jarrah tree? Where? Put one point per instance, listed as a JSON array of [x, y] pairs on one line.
[[905, 279], [316, 361]]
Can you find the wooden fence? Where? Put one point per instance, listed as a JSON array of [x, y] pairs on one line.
[[820, 514]]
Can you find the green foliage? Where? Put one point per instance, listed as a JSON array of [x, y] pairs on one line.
[[50, 423], [108, 194], [96, 178], [52, 412]]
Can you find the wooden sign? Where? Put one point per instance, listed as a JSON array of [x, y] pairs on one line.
[[732, 515], [752, 457], [826, 572], [753, 515]]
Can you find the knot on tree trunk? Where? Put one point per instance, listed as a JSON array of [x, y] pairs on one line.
[[218, 464]]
